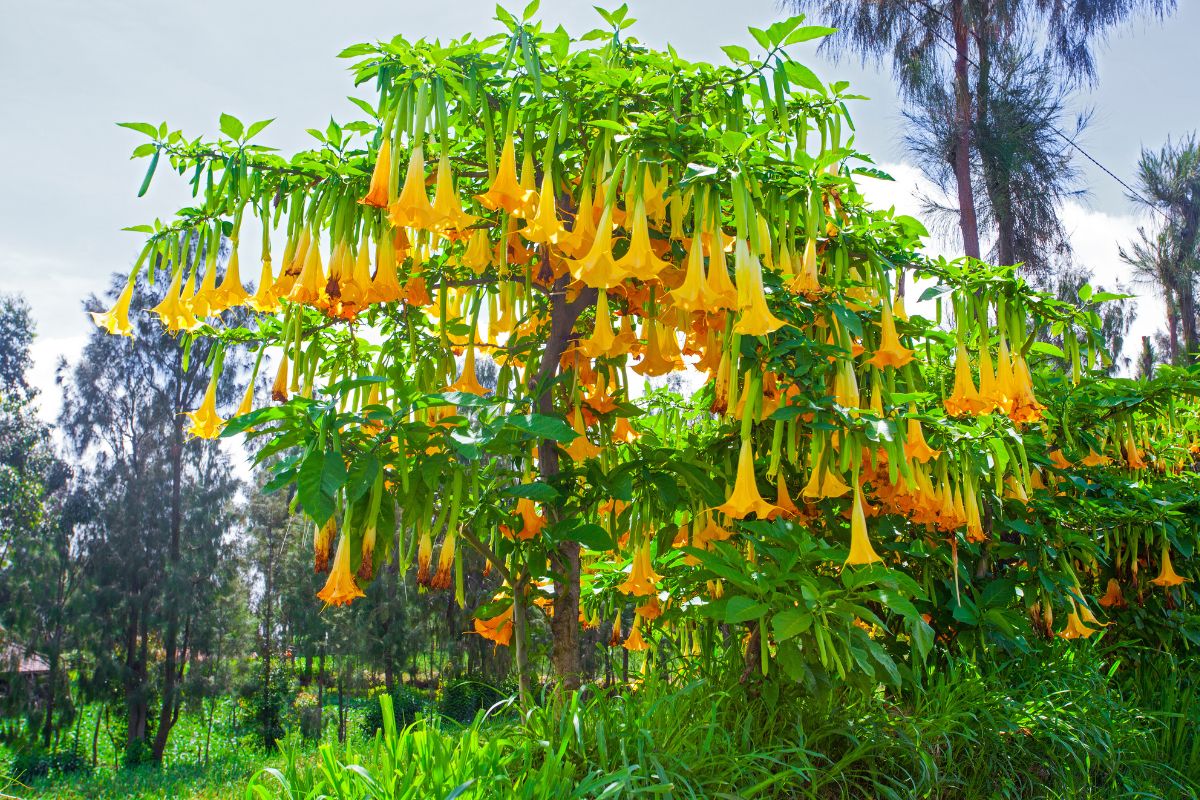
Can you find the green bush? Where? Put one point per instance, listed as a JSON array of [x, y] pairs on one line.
[[30, 763], [407, 705], [462, 701]]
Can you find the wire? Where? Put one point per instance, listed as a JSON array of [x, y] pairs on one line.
[[1054, 128]]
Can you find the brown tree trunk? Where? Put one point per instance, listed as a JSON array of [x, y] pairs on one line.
[[167, 712], [962, 132], [564, 625]]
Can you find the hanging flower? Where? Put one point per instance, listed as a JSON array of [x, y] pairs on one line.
[[861, 551], [745, 500], [497, 629], [1166, 575], [341, 589], [377, 195], [412, 209], [890, 352], [116, 320], [506, 193], [206, 423], [642, 578], [754, 318]]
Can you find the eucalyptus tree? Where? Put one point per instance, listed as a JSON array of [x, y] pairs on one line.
[[960, 61], [164, 508]]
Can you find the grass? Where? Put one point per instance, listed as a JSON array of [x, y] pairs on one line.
[[1059, 727], [1070, 723]]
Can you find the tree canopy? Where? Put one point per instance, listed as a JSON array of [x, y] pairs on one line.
[[880, 450]]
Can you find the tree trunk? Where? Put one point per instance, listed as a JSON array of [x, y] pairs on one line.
[[962, 133], [321, 692], [167, 713], [136, 688], [520, 643], [564, 625], [268, 710]]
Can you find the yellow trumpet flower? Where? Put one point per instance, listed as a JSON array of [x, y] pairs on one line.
[[597, 268], [340, 589], [448, 217], [964, 399], [532, 522], [206, 423], [580, 447], [635, 643], [377, 194], [544, 227], [279, 389], [654, 362], [745, 500], [754, 318], [116, 320], [861, 551], [807, 282], [323, 537], [1113, 597], [231, 293], [264, 299], [174, 311], [1075, 629], [205, 303], [690, 294], [642, 578], [310, 286], [506, 193], [385, 284], [468, 383], [600, 344], [412, 209], [915, 446], [498, 629], [890, 353], [824, 483], [640, 260], [719, 291], [1167, 576]]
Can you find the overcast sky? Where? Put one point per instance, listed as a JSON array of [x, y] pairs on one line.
[[70, 69]]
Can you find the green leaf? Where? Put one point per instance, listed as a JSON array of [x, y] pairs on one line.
[[232, 127], [807, 33], [355, 50], [530, 10], [141, 127], [543, 427], [922, 636], [321, 475], [762, 37], [258, 127], [361, 477], [744, 609], [798, 73], [587, 534], [541, 492], [790, 622], [737, 54]]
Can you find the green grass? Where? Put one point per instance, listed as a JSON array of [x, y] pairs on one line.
[[1057, 727], [1063, 724]]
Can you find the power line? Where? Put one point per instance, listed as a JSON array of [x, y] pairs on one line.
[[1054, 128]]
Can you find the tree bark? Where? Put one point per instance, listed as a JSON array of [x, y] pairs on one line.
[[564, 625], [167, 714], [967, 220], [520, 642]]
